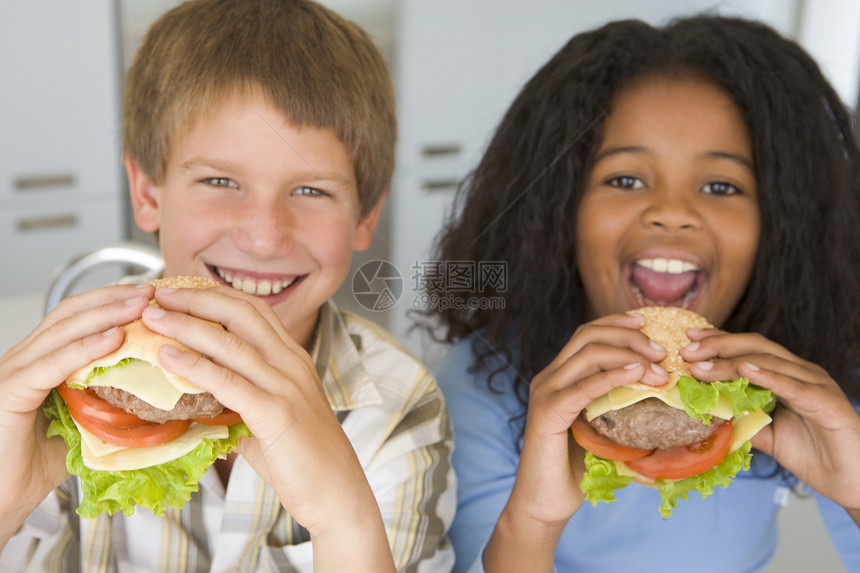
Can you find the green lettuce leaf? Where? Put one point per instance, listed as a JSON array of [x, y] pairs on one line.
[[701, 397], [157, 487], [704, 483], [98, 371], [601, 478]]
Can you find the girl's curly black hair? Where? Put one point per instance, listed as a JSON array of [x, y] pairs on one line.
[[519, 205]]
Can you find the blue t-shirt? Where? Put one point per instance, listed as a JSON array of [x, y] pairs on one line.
[[734, 529]]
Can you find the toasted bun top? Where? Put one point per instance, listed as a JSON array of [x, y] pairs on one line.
[[185, 282], [667, 326], [143, 344]]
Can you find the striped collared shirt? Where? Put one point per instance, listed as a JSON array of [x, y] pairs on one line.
[[395, 417]]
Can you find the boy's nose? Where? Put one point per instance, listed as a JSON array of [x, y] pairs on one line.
[[264, 231]]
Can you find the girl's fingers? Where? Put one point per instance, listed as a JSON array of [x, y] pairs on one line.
[[615, 329], [601, 355], [567, 401], [818, 398], [712, 343], [596, 357], [728, 369]]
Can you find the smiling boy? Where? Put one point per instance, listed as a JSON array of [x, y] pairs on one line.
[[259, 142], [275, 208]]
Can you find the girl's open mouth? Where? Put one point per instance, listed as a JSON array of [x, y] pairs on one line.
[[664, 282]]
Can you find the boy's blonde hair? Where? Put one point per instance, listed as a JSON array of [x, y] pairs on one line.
[[317, 68]]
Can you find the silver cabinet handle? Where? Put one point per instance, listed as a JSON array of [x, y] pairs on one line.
[[440, 150], [47, 222], [436, 185], [47, 180]]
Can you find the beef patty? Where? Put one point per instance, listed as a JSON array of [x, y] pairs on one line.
[[650, 423], [189, 405]]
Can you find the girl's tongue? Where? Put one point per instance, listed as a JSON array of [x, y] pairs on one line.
[[654, 288]]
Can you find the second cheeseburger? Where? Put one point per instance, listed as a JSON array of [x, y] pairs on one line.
[[683, 436], [136, 433]]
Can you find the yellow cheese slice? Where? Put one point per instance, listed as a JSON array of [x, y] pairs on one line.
[[94, 445], [146, 382], [140, 344], [116, 458], [743, 428], [624, 396], [747, 426]]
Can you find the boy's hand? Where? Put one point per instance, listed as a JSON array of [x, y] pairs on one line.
[[80, 330], [254, 367], [815, 432]]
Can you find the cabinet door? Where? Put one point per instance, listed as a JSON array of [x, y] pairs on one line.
[[35, 241], [59, 128]]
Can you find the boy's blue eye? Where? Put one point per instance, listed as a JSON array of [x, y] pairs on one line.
[[309, 192], [720, 188], [219, 182], [626, 182]]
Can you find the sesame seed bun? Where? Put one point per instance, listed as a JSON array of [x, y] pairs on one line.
[[667, 326]]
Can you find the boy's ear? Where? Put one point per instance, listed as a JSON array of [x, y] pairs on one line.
[[366, 227], [144, 199]]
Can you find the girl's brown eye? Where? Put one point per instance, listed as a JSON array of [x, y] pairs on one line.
[[626, 182], [720, 188]]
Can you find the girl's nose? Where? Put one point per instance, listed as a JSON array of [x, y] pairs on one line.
[[671, 211]]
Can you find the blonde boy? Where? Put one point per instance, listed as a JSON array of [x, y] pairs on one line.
[[259, 143]]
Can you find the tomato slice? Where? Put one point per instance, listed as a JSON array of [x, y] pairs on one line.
[[86, 403], [142, 435], [227, 417], [601, 446], [686, 461]]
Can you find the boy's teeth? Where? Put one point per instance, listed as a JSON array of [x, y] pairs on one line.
[[671, 266], [259, 288]]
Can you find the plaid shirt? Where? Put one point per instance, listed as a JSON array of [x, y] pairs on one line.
[[396, 419]]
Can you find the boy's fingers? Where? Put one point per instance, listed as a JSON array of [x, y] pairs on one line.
[[51, 336], [249, 318], [54, 367], [224, 347], [98, 298]]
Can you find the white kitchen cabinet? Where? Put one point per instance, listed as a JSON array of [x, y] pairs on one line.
[[40, 238], [61, 181]]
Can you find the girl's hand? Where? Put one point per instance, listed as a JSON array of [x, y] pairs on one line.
[[601, 355], [79, 330], [815, 432], [254, 367]]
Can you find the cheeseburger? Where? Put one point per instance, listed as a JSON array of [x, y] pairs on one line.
[[137, 434], [683, 436]]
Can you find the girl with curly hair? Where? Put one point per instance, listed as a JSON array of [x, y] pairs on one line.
[[708, 165]]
